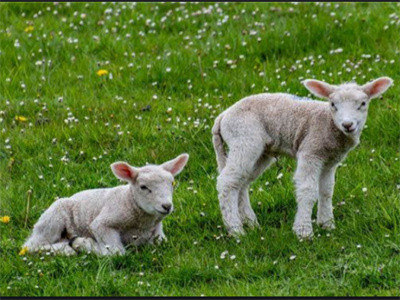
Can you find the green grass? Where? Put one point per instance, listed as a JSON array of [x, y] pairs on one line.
[[255, 49]]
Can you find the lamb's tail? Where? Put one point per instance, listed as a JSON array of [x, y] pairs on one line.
[[218, 143]]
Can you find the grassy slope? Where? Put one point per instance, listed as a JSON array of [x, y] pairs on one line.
[[289, 35]]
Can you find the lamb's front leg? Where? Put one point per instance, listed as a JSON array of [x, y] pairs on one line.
[[307, 181], [159, 235], [85, 244], [325, 210], [108, 239]]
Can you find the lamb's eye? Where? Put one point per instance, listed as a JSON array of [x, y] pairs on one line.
[[333, 104], [362, 104], [144, 188]]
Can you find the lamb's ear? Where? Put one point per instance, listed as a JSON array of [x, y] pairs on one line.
[[175, 166], [319, 88], [124, 171], [377, 87]]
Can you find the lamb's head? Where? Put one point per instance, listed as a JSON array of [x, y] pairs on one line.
[[349, 102], [152, 185]]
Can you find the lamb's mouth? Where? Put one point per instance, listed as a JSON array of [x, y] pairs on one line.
[[351, 130], [163, 212]]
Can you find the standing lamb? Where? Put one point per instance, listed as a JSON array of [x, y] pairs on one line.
[[318, 134], [104, 220]]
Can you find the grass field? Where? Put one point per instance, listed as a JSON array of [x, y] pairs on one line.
[[171, 69]]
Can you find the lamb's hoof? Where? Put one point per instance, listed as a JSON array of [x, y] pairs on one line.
[[304, 232], [252, 224], [236, 231], [117, 252], [64, 250], [81, 244], [68, 251], [327, 225], [161, 239], [113, 251]]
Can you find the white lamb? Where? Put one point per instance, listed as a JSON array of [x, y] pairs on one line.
[[318, 134], [104, 220]]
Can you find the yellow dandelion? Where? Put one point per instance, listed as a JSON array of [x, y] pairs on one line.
[[23, 251], [29, 28], [174, 183], [102, 72], [21, 118], [5, 219]]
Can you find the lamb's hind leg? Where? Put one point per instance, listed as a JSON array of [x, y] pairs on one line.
[[60, 248], [239, 167], [48, 229], [245, 210], [228, 185]]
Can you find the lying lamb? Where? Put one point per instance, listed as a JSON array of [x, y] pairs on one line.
[[104, 220], [318, 134]]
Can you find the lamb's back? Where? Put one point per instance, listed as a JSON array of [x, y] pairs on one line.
[[87, 205], [285, 118], [282, 103]]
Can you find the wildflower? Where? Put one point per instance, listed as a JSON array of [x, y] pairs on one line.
[[23, 251], [292, 257], [102, 72], [21, 118], [5, 219], [29, 29]]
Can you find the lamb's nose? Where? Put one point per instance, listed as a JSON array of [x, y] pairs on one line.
[[167, 206], [347, 125]]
